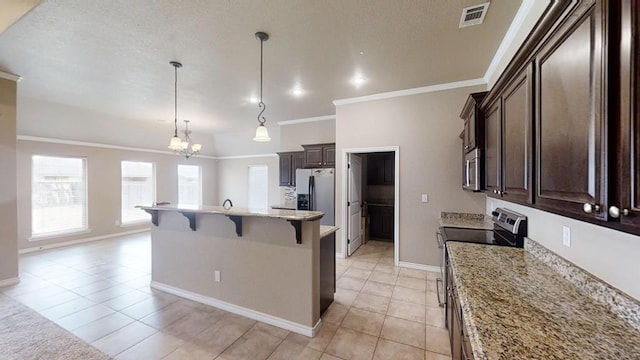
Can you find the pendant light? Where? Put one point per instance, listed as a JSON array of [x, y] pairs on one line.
[[262, 134], [181, 146]]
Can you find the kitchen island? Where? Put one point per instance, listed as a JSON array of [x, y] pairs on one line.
[[262, 264]]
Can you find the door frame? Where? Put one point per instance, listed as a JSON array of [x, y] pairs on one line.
[[396, 195]]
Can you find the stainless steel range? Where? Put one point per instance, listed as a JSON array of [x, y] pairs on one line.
[[509, 229]]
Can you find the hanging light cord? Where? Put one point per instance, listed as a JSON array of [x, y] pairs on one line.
[[175, 102], [261, 118]]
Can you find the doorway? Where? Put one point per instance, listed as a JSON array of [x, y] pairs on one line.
[[371, 197]]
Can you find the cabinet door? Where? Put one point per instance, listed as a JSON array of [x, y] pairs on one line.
[[329, 155], [571, 154], [285, 169], [467, 136], [297, 163], [389, 176], [517, 139], [492, 148], [313, 156], [470, 125], [629, 135]]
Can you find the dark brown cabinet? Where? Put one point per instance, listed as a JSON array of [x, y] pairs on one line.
[[289, 163], [319, 155], [508, 137], [571, 117], [625, 203], [381, 222], [473, 126], [381, 168], [327, 271], [458, 337]]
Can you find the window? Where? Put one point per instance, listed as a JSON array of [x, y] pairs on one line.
[[138, 188], [258, 186], [189, 185], [58, 195]]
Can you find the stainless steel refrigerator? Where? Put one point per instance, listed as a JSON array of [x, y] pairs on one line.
[[315, 192]]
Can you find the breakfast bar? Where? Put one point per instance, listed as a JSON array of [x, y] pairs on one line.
[[262, 264]]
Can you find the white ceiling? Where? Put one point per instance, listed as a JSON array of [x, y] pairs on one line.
[[113, 56]]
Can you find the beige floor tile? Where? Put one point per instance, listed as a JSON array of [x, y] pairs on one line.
[[414, 273], [335, 313], [352, 345], [326, 356], [67, 308], [148, 306], [404, 331], [434, 316], [102, 327], [385, 278], [155, 347], [344, 296], [433, 275], [357, 273], [409, 295], [323, 337], [386, 268], [189, 351], [376, 288], [223, 333], [432, 299], [433, 356], [288, 350], [83, 317], [126, 300], [41, 301], [271, 330], [364, 321], [350, 283], [370, 302], [431, 286], [167, 315], [122, 339], [309, 354], [412, 283], [406, 310], [109, 293], [94, 287], [364, 265], [437, 340], [254, 344], [193, 324], [386, 350]]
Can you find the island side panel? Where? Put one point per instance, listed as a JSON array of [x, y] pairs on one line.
[[264, 270]]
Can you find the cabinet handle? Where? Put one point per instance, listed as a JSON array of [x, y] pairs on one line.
[[589, 208], [625, 212], [439, 239], [439, 281], [614, 212]]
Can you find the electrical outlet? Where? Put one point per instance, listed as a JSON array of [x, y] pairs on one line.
[[217, 275], [566, 236], [425, 198]]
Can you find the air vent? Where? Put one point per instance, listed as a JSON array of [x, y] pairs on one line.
[[473, 15]]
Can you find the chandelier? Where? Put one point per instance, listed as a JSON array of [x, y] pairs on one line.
[[185, 146]]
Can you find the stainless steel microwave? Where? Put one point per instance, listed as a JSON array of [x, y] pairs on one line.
[[471, 179]]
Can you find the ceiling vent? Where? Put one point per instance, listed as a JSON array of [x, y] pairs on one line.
[[473, 15]]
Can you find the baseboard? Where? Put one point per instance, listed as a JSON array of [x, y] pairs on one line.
[[340, 255], [410, 265], [11, 281], [80, 241], [239, 310]]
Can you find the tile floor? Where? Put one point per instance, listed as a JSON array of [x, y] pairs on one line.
[[100, 292]]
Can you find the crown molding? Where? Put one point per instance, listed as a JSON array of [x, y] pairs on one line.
[[246, 156], [414, 91], [307, 120], [10, 76]]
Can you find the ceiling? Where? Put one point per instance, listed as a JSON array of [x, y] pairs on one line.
[[113, 56]]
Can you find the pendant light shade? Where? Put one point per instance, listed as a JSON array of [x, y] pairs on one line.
[[181, 146], [262, 134]]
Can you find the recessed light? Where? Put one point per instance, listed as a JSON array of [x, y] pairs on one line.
[[254, 100], [358, 80], [361, 52], [297, 91]]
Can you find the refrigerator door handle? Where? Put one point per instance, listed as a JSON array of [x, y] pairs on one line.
[[312, 193]]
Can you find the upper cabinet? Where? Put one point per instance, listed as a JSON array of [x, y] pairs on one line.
[[319, 155], [571, 99], [381, 168], [625, 204], [508, 139], [473, 121], [289, 163], [562, 123]]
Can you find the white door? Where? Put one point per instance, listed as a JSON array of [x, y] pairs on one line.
[[354, 205]]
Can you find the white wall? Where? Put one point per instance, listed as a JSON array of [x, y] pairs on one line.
[[426, 128], [233, 179]]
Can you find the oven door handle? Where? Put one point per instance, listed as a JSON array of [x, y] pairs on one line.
[[438, 286], [439, 239]]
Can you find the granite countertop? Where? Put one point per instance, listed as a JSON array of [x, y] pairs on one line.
[[269, 213], [516, 307], [283, 207], [466, 220], [327, 230]]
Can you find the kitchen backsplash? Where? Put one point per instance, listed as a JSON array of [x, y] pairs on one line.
[[288, 195]]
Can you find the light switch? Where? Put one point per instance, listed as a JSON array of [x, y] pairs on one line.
[[425, 198], [566, 236]]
